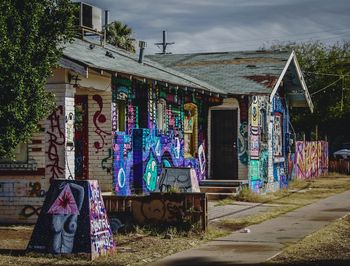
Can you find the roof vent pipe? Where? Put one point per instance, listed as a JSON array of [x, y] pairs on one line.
[[142, 45], [106, 17]]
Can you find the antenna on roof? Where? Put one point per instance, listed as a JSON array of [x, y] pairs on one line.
[[164, 44]]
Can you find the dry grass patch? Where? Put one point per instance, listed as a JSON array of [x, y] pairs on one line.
[[137, 248], [328, 246], [299, 194]]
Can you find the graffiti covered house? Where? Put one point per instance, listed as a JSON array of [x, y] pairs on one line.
[[249, 134], [117, 120], [120, 119]]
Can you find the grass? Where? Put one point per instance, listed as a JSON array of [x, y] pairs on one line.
[[328, 246], [300, 193], [137, 248], [145, 245]]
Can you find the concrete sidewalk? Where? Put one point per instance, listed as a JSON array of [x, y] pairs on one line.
[[266, 239]]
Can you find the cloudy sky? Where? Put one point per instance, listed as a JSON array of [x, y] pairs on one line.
[[229, 25]]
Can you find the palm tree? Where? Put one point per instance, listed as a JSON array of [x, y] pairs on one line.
[[120, 35]]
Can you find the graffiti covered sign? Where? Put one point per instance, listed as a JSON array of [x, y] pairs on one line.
[[178, 178], [73, 219]]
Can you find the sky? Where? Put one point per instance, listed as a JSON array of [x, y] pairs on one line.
[[230, 25]]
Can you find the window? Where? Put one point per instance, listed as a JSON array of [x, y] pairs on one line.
[[161, 110], [190, 130], [121, 106], [20, 155]]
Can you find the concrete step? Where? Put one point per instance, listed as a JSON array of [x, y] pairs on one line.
[[215, 189], [220, 196], [223, 183]]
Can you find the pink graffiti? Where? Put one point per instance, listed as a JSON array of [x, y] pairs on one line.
[[311, 159], [99, 118], [55, 140]]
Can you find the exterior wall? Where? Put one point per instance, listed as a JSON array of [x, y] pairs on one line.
[[240, 105], [258, 143], [22, 190], [142, 149], [269, 145], [100, 152], [23, 186]]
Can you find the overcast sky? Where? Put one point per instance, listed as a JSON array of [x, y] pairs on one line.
[[230, 25]]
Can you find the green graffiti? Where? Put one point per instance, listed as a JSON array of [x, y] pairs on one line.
[[150, 175]]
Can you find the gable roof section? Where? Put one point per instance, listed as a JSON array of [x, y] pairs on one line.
[[81, 54], [249, 72], [245, 73]]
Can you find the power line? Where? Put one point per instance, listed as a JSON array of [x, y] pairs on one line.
[[326, 74], [325, 87]]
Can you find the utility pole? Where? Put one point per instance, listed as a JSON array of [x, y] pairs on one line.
[[164, 44]]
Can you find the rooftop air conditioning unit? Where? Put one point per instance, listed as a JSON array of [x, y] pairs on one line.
[[90, 17]]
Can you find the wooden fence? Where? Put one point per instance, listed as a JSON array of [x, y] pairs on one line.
[[160, 208], [341, 166]]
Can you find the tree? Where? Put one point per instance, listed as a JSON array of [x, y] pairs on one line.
[[326, 70], [120, 35], [31, 37]]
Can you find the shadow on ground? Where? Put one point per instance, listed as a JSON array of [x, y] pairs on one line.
[[207, 261]]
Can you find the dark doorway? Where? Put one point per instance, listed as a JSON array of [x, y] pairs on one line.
[[224, 164], [81, 137]]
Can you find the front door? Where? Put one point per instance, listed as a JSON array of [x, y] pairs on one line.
[[224, 164], [81, 137]]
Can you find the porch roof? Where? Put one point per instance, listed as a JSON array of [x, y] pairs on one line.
[[81, 54]]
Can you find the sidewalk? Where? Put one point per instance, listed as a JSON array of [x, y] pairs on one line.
[[266, 239]]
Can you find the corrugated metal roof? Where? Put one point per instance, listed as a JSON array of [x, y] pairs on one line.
[[112, 59], [248, 72]]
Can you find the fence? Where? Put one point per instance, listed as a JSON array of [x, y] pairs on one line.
[[341, 166], [160, 208], [311, 159]]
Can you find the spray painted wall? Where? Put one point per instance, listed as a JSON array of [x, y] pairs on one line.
[[149, 123], [258, 143], [261, 114], [310, 159]]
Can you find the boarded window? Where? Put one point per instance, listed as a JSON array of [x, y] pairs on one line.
[[121, 115]]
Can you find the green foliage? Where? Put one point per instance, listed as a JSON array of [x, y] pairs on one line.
[[31, 34], [120, 35], [332, 105]]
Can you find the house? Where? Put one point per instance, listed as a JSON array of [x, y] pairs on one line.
[[249, 133], [115, 117], [121, 119]]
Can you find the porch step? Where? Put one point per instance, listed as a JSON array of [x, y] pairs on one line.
[[212, 189], [223, 183], [220, 196], [220, 189]]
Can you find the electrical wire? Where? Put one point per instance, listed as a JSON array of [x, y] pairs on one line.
[[326, 87]]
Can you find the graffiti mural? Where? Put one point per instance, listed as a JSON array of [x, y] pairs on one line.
[[98, 119], [139, 154], [278, 135], [56, 141], [21, 188], [310, 159], [72, 220], [243, 143], [178, 179]]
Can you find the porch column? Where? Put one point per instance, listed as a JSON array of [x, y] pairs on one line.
[[59, 133]]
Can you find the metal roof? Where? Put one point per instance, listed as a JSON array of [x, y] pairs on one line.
[[247, 72], [110, 58]]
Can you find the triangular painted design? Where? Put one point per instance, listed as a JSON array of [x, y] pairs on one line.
[[64, 203]]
